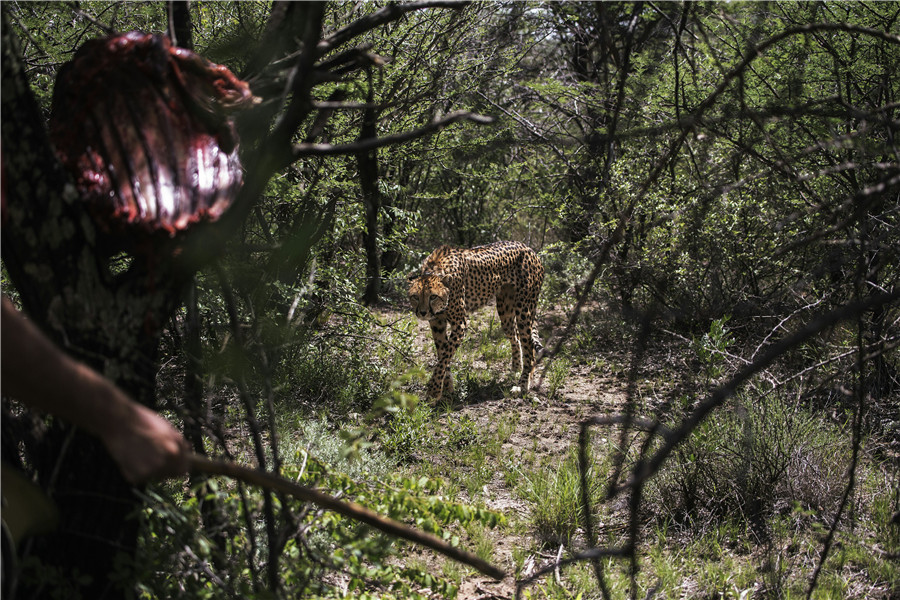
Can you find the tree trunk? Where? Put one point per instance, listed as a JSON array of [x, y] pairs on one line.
[[110, 322], [180, 28], [371, 197]]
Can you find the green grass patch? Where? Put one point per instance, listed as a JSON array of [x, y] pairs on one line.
[[554, 493]]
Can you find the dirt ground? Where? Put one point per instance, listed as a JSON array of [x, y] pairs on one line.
[[544, 432], [546, 426]]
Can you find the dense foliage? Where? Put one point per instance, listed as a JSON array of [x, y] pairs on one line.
[[725, 174]]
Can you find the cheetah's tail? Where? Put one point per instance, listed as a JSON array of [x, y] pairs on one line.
[[539, 350]]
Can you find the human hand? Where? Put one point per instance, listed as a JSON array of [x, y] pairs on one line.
[[146, 446], [143, 444]]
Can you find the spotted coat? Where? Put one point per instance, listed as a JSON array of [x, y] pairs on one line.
[[453, 282]]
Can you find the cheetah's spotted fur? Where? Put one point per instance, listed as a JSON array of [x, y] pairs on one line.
[[453, 282]]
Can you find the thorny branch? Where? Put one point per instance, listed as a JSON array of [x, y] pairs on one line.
[[592, 554], [309, 149], [647, 466], [275, 150], [389, 13]]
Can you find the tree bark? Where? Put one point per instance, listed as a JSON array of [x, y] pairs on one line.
[[367, 161], [110, 322], [180, 27]]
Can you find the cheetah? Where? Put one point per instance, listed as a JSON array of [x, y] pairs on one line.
[[453, 282]]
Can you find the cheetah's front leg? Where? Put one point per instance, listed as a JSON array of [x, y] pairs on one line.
[[441, 372], [441, 384]]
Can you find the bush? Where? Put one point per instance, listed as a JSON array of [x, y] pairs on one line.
[[407, 433], [750, 460], [328, 378], [323, 555]]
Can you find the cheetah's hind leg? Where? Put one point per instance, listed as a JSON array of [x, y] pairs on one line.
[[506, 310], [531, 349]]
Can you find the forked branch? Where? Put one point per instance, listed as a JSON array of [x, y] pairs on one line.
[[364, 145]]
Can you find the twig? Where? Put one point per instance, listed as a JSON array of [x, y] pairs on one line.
[[873, 352], [204, 567], [587, 555], [781, 323], [308, 149], [654, 427], [249, 409], [106, 29], [200, 464], [556, 570], [860, 394], [389, 13]]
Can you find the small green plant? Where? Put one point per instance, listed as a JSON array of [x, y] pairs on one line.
[[406, 432], [494, 438], [711, 349], [395, 401], [556, 374], [506, 426], [555, 495], [453, 572], [481, 541], [479, 470], [461, 432]]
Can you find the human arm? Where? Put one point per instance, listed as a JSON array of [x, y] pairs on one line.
[[143, 444]]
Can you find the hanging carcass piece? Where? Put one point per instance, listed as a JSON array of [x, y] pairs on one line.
[[146, 130]]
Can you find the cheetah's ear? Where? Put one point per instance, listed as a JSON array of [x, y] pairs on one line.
[[414, 275]]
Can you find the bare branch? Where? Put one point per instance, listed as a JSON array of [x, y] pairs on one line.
[[307, 149], [647, 468], [389, 13], [268, 481], [592, 554]]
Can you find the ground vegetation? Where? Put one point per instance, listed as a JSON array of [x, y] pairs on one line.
[[714, 191]]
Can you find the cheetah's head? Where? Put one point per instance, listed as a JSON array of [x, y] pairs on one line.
[[428, 295]]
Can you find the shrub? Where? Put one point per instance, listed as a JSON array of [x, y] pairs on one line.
[[323, 555], [407, 432], [749, 461]]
